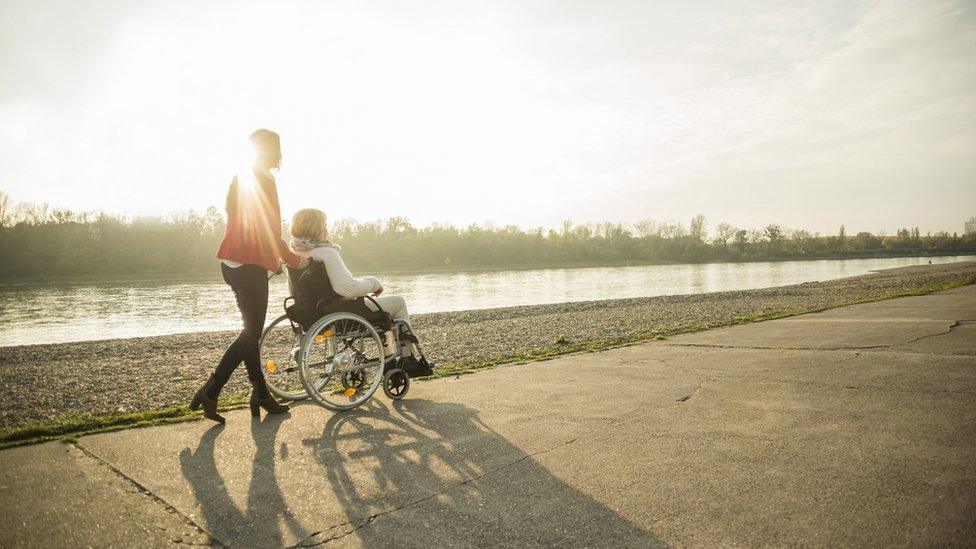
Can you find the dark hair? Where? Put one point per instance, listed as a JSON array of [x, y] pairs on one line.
[[267, 148], [266, 139], [267, 144]]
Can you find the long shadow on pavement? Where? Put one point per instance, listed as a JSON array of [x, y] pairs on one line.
[[467, 484], [265, 509]]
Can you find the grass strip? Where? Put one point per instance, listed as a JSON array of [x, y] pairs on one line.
[[561, 346], [70, 427]]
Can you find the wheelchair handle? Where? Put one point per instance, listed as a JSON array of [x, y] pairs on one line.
[[280, 270]]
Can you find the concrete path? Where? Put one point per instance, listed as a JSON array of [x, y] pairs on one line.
[[856, 426]]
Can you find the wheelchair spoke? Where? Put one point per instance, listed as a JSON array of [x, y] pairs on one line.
[[352, 355], [279, 347]]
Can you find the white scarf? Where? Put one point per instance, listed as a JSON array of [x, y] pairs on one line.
[[306, 244]]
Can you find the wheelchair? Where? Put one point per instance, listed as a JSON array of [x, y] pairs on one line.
[[332, 349]]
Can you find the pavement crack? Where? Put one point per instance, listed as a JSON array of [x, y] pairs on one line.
[[952, 327], [770, 348], [142, 489], [694, 392], [342, 530]]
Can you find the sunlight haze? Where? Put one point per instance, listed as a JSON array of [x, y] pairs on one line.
[[527, 113]]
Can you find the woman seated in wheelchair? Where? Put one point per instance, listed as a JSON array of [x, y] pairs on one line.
[[310, 239]]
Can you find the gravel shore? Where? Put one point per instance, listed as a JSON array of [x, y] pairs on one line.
[[45, 382]]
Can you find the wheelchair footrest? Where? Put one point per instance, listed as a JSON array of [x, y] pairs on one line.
[[415, 367]]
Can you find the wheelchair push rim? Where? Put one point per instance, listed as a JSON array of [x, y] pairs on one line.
[[336, 348], [279, 347]]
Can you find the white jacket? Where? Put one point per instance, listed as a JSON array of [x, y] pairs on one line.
[[342, 280]]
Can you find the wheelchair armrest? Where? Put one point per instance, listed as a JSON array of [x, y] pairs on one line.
[[378, 308], [325, 302]]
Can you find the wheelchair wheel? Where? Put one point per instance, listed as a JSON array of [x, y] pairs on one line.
[[396, 383], [341, 361], [279, 347]]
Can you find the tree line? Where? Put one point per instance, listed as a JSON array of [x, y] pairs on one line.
[[36, 240]]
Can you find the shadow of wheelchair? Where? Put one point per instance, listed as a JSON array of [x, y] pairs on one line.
[[433, 473]]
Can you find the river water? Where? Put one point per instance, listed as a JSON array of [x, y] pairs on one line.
[[59, 312]]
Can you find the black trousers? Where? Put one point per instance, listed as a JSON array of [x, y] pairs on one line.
[[250, 285]]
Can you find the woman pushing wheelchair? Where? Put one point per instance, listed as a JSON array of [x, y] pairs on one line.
[[344, 355], [252, 246]]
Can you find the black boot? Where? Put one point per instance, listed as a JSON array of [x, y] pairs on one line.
[[209, 403], [261, 399], [415, 367]]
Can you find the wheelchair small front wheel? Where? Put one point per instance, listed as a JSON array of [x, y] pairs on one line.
[[396, 383]]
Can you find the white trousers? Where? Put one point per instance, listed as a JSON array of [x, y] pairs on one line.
[[393, 304], [396, 306]]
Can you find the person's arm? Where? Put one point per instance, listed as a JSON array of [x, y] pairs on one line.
[[284, 252], [342, 280]]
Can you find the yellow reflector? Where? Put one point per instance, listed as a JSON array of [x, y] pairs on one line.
[[271, 367], [350, 391], [324, 335]]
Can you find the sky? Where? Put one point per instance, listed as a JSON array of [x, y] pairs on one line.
[[525, 112]]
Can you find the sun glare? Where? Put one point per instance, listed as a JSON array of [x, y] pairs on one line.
[[244, 163]]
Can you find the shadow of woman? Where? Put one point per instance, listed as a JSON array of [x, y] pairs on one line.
[[265, 511], [433, 473]]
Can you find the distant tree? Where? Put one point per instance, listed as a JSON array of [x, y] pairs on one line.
[[31, 213], [567, 229], [864, 241], [724, 235], [36, 240], [399, 225], [741, 240], [697, 227], [774, 236], [671, 230], [213, 222], [801, 241], [645, 228], [5, 206]]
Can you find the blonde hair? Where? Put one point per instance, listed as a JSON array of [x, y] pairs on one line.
[[308, 223]]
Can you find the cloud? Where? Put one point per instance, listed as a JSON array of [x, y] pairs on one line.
[[529, 113], [884, 114]]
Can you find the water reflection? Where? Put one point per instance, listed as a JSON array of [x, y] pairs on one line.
[[51, 313]]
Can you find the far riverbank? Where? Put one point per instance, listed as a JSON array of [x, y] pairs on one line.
[[214, 274]]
